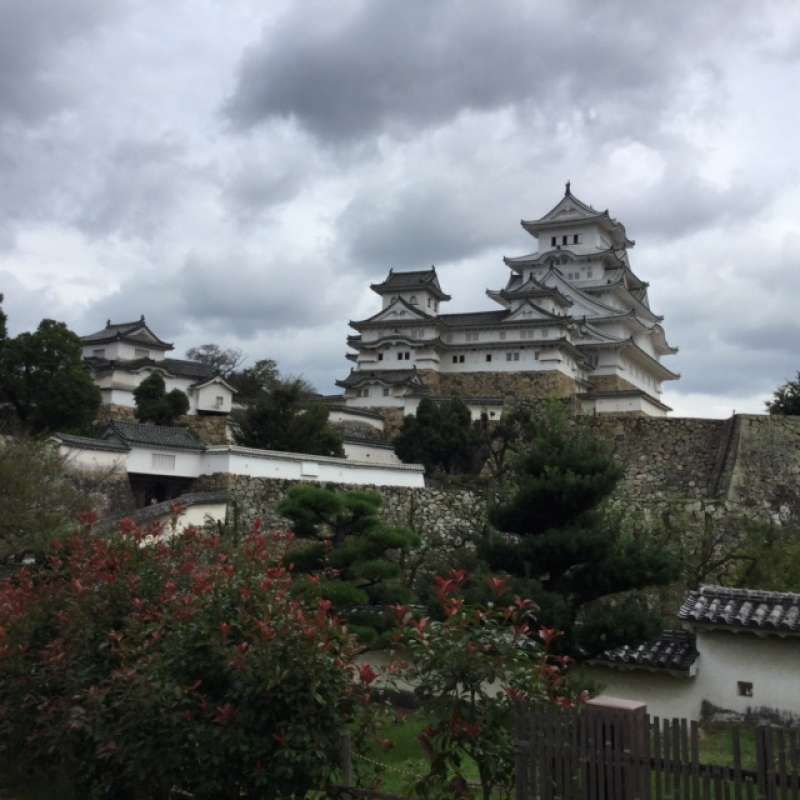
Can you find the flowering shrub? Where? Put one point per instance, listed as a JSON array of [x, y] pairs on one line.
[[184, 664], [469, 672]]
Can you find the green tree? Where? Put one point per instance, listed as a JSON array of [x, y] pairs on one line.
[[353, 556], [223, 360], [786, 399], [44, 378], [441, 436], [38, 500], [563, 550], [3, 318], [254, 381], [155, 404], [288, 419]]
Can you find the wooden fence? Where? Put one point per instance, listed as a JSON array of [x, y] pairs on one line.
[[601, 754]]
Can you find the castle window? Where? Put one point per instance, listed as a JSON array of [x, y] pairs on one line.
[[406, 355], [429, 302], [399, 356], [380, 356], [99, 352], [461, 359], [564, 239], [163, 462], [512, 356], [576, 238], [386, 391], [744, 689], [553, 241], [488, 356], [219, 401], [502, 335], [473, 336], [455, 359], [413, 300]]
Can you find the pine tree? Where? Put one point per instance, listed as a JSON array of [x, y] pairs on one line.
[[352, 554], [562, 548], [287, 419], [786, 399], [441, 436], [155, 404]]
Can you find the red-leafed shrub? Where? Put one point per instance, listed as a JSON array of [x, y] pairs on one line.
[[470, 672], [133, 669]]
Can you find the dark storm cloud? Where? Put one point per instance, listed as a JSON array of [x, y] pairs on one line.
[[416, 63], [31, 35]]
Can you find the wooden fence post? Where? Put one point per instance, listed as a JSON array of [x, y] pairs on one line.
[[623, 726], [346, 759]]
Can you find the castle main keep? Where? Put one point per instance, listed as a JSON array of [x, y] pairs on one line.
[[574, 321]]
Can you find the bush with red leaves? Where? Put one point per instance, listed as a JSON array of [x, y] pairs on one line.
[[133, 668]]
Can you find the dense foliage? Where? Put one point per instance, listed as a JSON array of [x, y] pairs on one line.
[[469, 671], [249, 382], [185, 665], [441, 436], [786, 399], [287, 418], [155, 404], [350, 554], [3, 318], [44, 379], [562, 549], [36, 496]]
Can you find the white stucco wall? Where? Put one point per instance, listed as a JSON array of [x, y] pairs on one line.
[[194, 517], [205, 398], [342, 415], [166, 461], [362, 451], [770, 663], [665, 695], [92, 460], [236, 460]]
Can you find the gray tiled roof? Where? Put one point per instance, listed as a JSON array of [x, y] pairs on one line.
[[673, 651], [89, 443], [136, 331], [474, 318], [391, 377], [424, 279], [743, 610], [138, 433], [179, 367]]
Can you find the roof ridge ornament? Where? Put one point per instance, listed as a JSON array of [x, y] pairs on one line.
[[567, 192]]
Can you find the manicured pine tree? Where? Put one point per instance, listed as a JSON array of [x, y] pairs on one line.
[[561, 547], [352, 556], [786, 399]]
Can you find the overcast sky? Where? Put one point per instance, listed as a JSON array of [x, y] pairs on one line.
[[240, 170]]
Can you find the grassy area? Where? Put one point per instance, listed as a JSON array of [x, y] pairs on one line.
[[716, 747], [405, 763]]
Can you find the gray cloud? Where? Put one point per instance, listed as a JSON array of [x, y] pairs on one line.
[[31, 35], [415, 64]]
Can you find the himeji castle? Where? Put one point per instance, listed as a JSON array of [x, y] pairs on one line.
[[574, 321]]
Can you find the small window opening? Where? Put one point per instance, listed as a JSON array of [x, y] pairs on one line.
[[380, 356], [564, 239], [553, 241], [744, 688], [488, 356]]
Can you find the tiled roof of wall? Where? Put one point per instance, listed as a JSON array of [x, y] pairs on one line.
[[673, 651], [743, 609]]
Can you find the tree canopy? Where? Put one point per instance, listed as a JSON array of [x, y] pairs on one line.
[[287, 418], [786, 399], [3, 330], [351, 552], [155, 404], [441, 436], [44, 378], [254, 381], [223, 360], [562, 549]]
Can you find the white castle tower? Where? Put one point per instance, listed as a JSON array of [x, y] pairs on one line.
[[575, 321]]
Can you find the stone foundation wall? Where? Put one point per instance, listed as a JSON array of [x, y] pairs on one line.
[[519, 385], [210, 428], [610, 383], [106, 414]]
